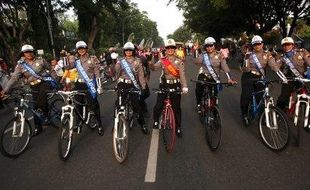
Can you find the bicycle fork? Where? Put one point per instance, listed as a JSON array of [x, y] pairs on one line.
[[304, 99], [21, 116], [118, 114], [68, 110], [273, 116]]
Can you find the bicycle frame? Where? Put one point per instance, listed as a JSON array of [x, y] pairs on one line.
[[302, 99]]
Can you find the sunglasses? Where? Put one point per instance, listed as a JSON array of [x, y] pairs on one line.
[[28, 51], [209, 45], [128, 50], [170, 47], [257, 44]]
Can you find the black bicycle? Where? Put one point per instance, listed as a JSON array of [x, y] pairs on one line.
[[210, 116]]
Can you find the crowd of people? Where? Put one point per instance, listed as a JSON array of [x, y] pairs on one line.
[[132, 68]]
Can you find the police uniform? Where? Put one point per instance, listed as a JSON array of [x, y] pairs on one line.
[[218, 63], [91, 66], [125, 82], [300, 60], [39, 87], [167, 80], [251, 73]]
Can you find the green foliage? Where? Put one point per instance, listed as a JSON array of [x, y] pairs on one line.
[[182, 34]]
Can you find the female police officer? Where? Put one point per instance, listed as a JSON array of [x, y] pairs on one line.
[[173, 77]]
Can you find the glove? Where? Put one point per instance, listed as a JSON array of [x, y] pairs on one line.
[[99, 90], [184, 90]]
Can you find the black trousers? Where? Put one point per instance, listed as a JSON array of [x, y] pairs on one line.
[[92, 103], [248, 87], [175, 100], [135, 100], [286, 90], [200, 87], [143, 98], [39, 96]]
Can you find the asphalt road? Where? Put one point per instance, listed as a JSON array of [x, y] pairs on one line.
[[241, 162]]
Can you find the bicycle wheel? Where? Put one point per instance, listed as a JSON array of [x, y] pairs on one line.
[[168, 129], [54, 113], [65, 138], [213, 125], [300, 123], [276, 136], [92, 123], [120, 139], [14, 143], [131, 116]]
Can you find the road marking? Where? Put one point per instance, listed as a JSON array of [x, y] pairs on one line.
[[150, 174]]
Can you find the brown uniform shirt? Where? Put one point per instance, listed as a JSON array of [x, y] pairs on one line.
[[300, 60], [177, 63], [137, 69], [217, 60], [264, 58], [90, 65], [39, 65]]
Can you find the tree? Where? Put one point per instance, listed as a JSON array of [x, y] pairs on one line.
[[182, 34]]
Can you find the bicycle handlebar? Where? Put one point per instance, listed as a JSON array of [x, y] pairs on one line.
[[303, 80], [129, 90], [212, 83], [167, 90]]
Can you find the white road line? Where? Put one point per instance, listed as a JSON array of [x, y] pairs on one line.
[[150, 174]]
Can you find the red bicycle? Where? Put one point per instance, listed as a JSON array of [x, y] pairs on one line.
[[167, 119]]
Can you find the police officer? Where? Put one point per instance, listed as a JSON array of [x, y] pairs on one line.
[[173, 77], [36, 73], [253, 68], [130, 72], [212, 62], [294, 64], [89, 79]]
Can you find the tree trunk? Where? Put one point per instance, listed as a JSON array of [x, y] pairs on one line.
[[93, 32]]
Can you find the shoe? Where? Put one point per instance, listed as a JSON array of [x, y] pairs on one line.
[[198, 108], [145, 129], [179, 133], [155, 125], [37, 130], [245, 121]]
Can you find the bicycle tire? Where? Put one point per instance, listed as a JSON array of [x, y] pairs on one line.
[[55, 110], [276, 137], [300, 123], [213, 125], [65, 139], [10, 149], [120, 139], [168, 129], [93, 123], [131, 116]]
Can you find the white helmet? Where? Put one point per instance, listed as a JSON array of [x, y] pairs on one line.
[[256, 40], [287, 40], [27, 48], [114, 55], [210, 41], [129, 45], [80, 44], [170, 42]]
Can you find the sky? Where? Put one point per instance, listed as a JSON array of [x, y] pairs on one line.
[[168, 18]]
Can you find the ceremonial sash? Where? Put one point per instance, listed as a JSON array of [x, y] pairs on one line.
[[257, 64], [207, 63], [33, 73], [128, 70], [172, 70], [291, 65], [90, 83]]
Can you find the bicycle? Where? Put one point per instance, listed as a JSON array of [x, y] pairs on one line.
[[273, 124], [69, 123], [17, 132], [299, 105], [124, 118], [210, 116], [167, 119]]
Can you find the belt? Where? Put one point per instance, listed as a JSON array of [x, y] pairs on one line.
[[35, 82], [255, 73], [172, 81], [128, 81]]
